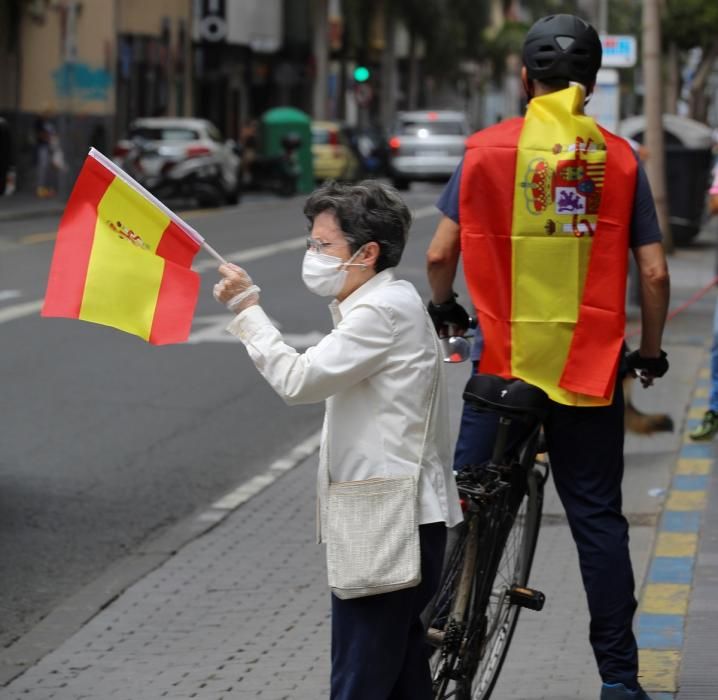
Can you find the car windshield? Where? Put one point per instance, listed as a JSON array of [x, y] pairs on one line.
[[156, 133], [432, 128]]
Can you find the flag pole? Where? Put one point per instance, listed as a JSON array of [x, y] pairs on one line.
[[213, 253]]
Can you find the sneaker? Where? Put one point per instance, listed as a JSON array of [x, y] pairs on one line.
[[618, 691], [708, 427]]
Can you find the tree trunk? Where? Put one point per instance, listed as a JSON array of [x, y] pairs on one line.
[[389, 82], [320, 9], [698, 102], [413, 93], [673, 79], [653, 108]]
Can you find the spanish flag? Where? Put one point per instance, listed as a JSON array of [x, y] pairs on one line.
[[122, 258], [545, 207]]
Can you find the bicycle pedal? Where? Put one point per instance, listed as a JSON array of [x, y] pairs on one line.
[[527, 597]]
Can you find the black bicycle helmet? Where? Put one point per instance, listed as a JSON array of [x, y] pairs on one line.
[[562, 47]]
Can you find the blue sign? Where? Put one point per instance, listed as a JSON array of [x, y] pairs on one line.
[[619, 51]]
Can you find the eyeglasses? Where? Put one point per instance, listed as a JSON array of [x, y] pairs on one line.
[[317, 246]]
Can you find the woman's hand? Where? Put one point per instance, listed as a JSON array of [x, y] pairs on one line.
[[236, 290]]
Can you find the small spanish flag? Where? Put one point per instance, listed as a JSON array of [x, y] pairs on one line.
[[122, 258]]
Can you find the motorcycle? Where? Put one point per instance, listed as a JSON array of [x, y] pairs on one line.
[[199, 177]]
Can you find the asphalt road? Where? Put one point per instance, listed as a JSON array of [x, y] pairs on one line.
[[106, 441]]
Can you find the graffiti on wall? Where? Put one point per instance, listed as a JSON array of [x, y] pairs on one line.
[[82, 81]]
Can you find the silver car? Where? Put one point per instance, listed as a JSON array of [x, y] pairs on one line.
[[426, 145]]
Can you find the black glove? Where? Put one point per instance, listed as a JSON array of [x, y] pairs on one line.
[[652, 366], [449, 313]]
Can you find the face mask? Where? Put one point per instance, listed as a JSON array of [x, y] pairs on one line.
[[325, 275]]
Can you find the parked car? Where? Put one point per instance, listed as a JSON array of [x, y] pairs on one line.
[[426, 145], [182, 157], [332, 154]]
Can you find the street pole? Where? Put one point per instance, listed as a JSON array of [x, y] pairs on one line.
[[321, 60], [603, 16], [653, 109], [389, 78]]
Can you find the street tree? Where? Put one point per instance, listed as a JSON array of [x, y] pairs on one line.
[[693, 24]]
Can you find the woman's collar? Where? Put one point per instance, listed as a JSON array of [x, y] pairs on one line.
[[381, 278]]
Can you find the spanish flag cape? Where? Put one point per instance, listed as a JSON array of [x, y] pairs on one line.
[[545, 208], [122, 258]]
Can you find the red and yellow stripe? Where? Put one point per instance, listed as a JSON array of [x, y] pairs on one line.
[[122, 261]]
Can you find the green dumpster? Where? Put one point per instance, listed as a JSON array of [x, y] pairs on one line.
[[279, 122]]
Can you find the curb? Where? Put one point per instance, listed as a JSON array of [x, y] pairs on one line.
[[663, 609]]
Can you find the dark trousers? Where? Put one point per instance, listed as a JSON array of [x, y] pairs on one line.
[[585, 448], [378, 646]]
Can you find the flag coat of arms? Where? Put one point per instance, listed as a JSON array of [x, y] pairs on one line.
[[122, 259]]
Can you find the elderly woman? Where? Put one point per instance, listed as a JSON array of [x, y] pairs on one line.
[[375, 371]]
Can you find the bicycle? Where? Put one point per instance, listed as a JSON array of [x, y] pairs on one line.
[[484, 581]]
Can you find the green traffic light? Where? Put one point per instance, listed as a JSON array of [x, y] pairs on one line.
[[361, 74]]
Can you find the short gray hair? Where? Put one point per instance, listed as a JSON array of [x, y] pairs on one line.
[[365, 211]]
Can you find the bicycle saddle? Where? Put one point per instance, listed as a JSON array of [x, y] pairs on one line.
[[510, 397]]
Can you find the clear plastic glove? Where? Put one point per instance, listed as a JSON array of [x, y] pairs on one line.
[[236, 290]]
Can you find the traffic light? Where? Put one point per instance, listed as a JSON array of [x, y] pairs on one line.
[[361, 74]]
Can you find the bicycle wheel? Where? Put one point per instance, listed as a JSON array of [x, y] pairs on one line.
[[507, 553], [451, 609]]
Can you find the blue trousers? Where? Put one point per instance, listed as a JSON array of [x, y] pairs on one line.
[[585, 447], [378, 646]]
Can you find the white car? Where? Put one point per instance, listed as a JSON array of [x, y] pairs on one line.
[[426, 145], [181, 157]]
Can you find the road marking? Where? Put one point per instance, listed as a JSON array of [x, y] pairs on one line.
[[423, 212], [249, 254], [250, 488], [212, 329], [38, 238], [19, 310], [263, 251], [6, 294]]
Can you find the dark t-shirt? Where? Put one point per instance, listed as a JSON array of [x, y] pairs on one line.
[[644, 222]]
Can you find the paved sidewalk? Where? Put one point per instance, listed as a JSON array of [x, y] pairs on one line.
[[243, 611]]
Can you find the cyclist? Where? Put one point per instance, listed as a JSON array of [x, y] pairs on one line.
[[543, 210]]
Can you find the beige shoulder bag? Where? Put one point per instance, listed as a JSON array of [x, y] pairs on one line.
[[373, 530]]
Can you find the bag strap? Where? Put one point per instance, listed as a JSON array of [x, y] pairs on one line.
[[434, 386]]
